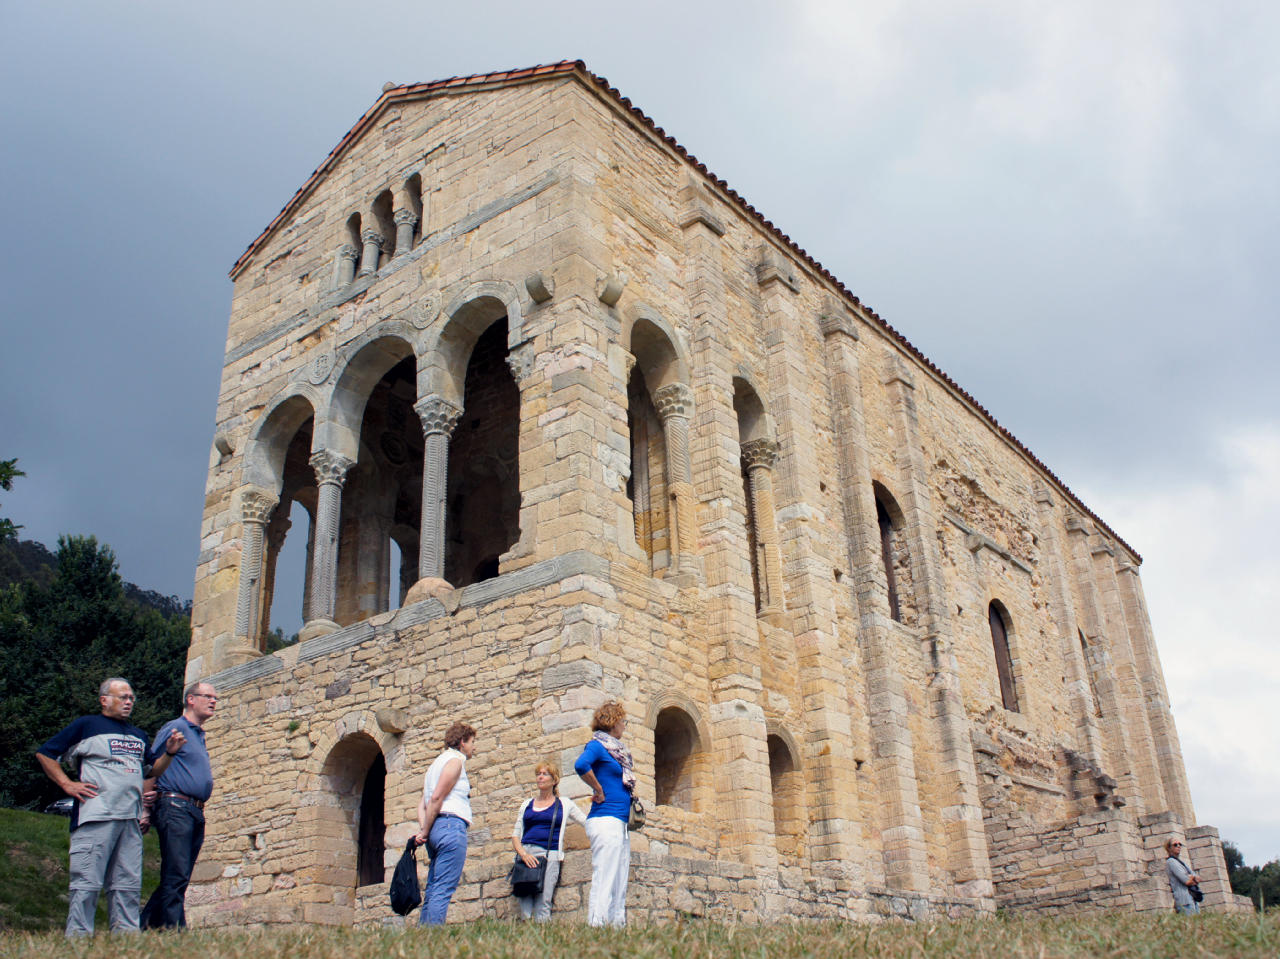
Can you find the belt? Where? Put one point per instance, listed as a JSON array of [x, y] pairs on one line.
[[449, 815], [198, 803]]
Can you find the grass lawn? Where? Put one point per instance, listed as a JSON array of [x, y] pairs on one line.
[[33, 873], [1109, 936]]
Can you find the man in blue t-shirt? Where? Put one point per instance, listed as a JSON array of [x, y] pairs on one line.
[[109, 757], [182, 791]]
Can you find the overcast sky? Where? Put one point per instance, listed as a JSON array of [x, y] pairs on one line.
[[1068, 207]]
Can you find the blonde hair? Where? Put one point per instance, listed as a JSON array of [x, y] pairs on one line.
[[1168, 845], [553, 770], [608, 716]]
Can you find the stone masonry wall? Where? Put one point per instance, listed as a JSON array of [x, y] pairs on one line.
[[842, 762]]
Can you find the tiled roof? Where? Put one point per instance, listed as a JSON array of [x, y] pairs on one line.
[[578, 68]]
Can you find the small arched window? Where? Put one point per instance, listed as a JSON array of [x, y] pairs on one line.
[[1004, 662], [675, 758]]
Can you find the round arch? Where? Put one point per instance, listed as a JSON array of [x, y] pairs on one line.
[[269, 440], [661, 356], [361, 364]]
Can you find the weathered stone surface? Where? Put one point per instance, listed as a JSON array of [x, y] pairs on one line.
[[681, 467]]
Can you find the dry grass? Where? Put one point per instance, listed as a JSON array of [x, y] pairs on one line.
[[1114, 936]]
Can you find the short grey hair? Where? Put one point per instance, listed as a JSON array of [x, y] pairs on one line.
[[194, 690], [105, 688]]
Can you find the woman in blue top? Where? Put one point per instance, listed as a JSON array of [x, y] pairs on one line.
[[605, 766], [539, 833]]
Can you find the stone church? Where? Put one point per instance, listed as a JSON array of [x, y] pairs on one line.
[[562, 418]]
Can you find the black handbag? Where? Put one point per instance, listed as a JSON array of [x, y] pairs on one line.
[[406, 895], [1196, 894], [526, 880]]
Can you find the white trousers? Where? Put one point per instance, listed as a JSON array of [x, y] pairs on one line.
[[610, 867]]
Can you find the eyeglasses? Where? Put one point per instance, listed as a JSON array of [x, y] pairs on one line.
[[209, 696], [1175, 845], [127, 697]]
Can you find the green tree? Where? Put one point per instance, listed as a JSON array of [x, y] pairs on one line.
[[8, 473], [59, 641], [1259, 883]]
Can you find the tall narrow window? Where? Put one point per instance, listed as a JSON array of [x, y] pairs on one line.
[[371, 844], [1004, 663], [1087, 653], [886, 556]]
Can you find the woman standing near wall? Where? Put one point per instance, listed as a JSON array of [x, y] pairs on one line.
[[539, 832], [444, 816], [605, 766]]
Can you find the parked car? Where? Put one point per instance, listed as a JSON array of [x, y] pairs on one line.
[[61, 807]]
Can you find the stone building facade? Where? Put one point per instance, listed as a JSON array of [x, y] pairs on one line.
[[627, 440]]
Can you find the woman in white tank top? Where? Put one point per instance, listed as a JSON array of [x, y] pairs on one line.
[[444, 815]]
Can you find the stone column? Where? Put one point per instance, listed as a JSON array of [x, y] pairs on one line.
[[1164, 734], [372, 240], [277, 530], [331, 475], [962, 814], [439, 417], [893, 791], [674, 403], [758, 457], [348, 256], [256, 506], [405, 221]]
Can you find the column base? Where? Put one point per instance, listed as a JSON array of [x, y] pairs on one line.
[[239, 652], [317, 627], [432, 587]]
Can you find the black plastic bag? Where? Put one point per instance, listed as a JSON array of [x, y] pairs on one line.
[[406, 894]]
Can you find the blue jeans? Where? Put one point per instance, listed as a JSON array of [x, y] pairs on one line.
[[1188, 908], [180, 826], [447, 847]]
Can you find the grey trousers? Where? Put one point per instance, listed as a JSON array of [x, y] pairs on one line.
[[538, 907], [105, 855]]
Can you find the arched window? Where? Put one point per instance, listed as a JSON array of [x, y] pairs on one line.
[[382, 497], [787, 790], [1004, 661], [649, 486], [484, 470], [383, 212], [675, 758], [895, 558], [413, 193]]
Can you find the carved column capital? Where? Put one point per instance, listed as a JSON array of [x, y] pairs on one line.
[[438, 415], [520, 362], [404, 216], [348, 252], [372, 236], [331, 468], [256, 506], [759, 453], [674, 399], [628, 364]]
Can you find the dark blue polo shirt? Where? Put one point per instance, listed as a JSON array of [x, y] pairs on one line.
[[189, 772]]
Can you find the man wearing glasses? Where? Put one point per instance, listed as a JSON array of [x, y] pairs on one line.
[[109, 756], [1181, 879], [182, 791]]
